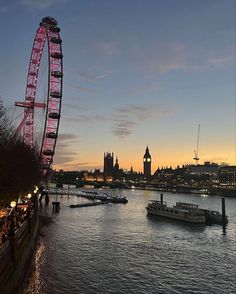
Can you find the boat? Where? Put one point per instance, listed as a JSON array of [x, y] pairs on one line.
[[117, 199], [214, 217], [187, 212], [95, 195]]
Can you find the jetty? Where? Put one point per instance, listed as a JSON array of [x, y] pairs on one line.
[[90, 195], [87, 204]]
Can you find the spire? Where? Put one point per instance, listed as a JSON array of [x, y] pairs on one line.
[[116, 166], [147, 153]]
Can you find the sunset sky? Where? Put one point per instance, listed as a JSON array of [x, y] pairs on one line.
[[136, 73]]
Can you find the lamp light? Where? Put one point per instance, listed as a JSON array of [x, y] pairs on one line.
[[36, 189], [13, 204]]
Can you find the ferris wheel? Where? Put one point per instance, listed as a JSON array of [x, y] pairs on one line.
[[43, 106]]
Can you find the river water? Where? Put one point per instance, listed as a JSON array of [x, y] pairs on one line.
[[117, 248]]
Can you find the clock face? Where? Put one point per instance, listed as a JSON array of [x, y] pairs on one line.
[[144, 160], [148, 159]]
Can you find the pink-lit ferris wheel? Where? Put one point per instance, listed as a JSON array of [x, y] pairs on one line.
[[43, 137]]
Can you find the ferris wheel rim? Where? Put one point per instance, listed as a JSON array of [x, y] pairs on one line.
[[48, 32]]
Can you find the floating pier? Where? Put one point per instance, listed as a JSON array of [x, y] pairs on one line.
[[87, 204]]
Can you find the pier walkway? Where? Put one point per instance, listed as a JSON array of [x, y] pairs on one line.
[[91, 195]]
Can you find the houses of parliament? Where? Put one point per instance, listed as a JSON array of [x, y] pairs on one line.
[[112, 171]]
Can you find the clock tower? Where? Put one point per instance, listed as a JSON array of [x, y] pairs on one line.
[[147, 163]]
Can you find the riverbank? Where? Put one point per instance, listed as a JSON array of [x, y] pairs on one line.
[[212, 192]]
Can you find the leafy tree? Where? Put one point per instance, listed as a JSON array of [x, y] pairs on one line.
[[19, 167]]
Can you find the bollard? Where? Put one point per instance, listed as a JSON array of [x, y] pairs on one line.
[[56, 206], [161, 198]]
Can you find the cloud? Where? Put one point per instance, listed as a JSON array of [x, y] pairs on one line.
[[66, 137], [168, 57], [87, 77], [162, 58], [74, 107], [123, 128], [86, 90], [123, 120], [126, 118], [101, 77], [93, 77], [86, 118], [148, 87], [64, 152], [76, 165], [108, 48], [219, 61]]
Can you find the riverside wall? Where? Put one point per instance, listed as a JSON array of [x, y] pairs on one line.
[[16, 255]]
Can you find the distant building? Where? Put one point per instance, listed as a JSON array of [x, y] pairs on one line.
[[89, 177], [116, 169], [227, 176], [207, 168], [147, 160], [108, 166]]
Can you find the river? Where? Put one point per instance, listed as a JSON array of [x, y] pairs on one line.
[[117, 248]]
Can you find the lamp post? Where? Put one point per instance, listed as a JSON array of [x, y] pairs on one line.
[[12, 225], [35, 200]]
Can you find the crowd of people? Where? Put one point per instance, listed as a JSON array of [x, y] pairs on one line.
[[12, 219]]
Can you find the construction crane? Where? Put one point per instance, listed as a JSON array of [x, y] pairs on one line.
[[196, 155]]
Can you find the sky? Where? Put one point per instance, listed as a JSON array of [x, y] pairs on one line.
[[136, 73]]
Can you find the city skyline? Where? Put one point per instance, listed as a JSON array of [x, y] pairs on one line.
[[135, 74], [153, 167]]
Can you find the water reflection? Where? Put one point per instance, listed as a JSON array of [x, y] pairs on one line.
[[35, 284], [224, 229]]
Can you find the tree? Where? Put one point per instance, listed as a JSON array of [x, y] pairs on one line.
[[19, 166]]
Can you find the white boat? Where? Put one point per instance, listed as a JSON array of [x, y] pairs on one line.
[[187, 212]]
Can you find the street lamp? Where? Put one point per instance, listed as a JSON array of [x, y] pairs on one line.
[[36, 190], [13, 204], [12, 226]]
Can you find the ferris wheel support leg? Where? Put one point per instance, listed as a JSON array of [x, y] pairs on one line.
[[21, 124]]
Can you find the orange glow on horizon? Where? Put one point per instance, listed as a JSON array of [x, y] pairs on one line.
[[137, 163]]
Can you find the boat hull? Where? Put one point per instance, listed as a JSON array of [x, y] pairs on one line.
[[197, 219]]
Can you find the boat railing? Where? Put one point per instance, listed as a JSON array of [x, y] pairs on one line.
[[158, 202], [186, 205]]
